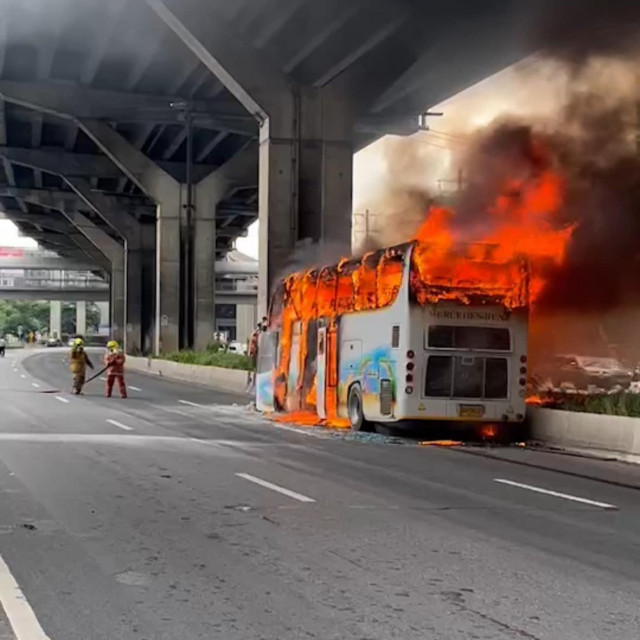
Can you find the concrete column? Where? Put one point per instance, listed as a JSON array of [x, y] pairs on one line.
[[81, 318], [140, 258], [55, 319], [305, 183], [117, 304], [246, 321], [209, 193]]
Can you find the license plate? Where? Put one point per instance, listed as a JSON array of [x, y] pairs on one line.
[[471, 410]]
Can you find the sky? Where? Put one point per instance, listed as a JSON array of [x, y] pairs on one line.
[[513, 90]]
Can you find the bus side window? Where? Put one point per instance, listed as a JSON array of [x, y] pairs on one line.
[[395, 336]]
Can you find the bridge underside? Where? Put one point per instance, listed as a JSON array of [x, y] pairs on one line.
[[143, 136]]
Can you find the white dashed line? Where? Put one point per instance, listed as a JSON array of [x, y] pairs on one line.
[[103, 379], [555, 494], [190, 404], [61, 399], [23, 376], [275, 487], [134, 388], [35, 384], [21, 616], [115, 423]]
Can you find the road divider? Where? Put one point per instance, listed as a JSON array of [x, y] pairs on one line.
[[618, 436], [233, 380], [556, 494]]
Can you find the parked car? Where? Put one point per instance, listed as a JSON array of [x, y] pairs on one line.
[[582, 372], [54, 342]]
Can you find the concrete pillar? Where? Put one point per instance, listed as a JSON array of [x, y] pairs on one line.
[[81, 318], [246, 321], [140, 268], [305, 183], [117, 304], [55, 319], [209, 192]]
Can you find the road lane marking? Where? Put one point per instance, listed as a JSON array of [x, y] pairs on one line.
[[21, 616], [134, 388], [556, 494], [35, 384], [23, 376], [275, 487], [103, 379], [190, 404], [62, 399], [115, 423]]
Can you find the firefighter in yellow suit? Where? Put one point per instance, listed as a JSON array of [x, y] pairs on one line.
[[78, 362]]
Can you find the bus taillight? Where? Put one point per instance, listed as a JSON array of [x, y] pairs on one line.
[[409, 390], [410, 366], [410, 354], [523, 359], [409, 377]]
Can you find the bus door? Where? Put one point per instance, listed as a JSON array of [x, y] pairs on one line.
[[321, 373], [266, 366]]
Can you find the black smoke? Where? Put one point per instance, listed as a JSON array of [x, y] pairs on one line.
[[575, 30]]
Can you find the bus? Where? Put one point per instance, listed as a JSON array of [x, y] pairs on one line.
[[398, 336]]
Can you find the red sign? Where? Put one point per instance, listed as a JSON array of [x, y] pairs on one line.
[[11, 252]]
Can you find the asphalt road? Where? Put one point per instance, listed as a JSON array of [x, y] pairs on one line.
[[178, 515]]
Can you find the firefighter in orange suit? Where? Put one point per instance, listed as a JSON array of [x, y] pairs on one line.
[[114, 360]]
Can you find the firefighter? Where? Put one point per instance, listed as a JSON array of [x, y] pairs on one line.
[[78, 362], [114, 360]]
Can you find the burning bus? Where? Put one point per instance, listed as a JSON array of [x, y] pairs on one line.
[[419, 331]]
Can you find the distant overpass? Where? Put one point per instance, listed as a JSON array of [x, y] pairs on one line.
[[38, 262]]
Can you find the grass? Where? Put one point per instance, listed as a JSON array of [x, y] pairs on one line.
[[210, 358]]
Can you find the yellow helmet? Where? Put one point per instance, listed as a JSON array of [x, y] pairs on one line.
[[112, 344], [78, 342]]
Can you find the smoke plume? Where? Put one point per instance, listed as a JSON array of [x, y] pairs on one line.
[[575, 30]]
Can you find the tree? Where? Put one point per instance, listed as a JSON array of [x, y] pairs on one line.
[[31, 316]]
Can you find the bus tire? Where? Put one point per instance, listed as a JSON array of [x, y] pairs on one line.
[[356, 411]]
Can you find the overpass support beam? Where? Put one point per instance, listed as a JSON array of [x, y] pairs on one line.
[[306, 133]]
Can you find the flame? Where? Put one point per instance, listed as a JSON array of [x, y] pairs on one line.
[[522, 225]]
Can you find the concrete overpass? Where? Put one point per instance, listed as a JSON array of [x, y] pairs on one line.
[[143, 136]]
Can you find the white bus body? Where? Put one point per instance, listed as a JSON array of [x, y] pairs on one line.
[[444, 361]]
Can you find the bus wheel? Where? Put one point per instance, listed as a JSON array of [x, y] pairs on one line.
[[356, 414]]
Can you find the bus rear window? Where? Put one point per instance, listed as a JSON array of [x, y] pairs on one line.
[[476, 338], [467, 377]]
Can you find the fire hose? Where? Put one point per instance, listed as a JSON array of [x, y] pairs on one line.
[[96, 375]]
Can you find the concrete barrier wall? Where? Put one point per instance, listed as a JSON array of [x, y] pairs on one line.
[[585, 430], [214, 377]]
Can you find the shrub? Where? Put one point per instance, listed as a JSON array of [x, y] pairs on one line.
[[210, 358]]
